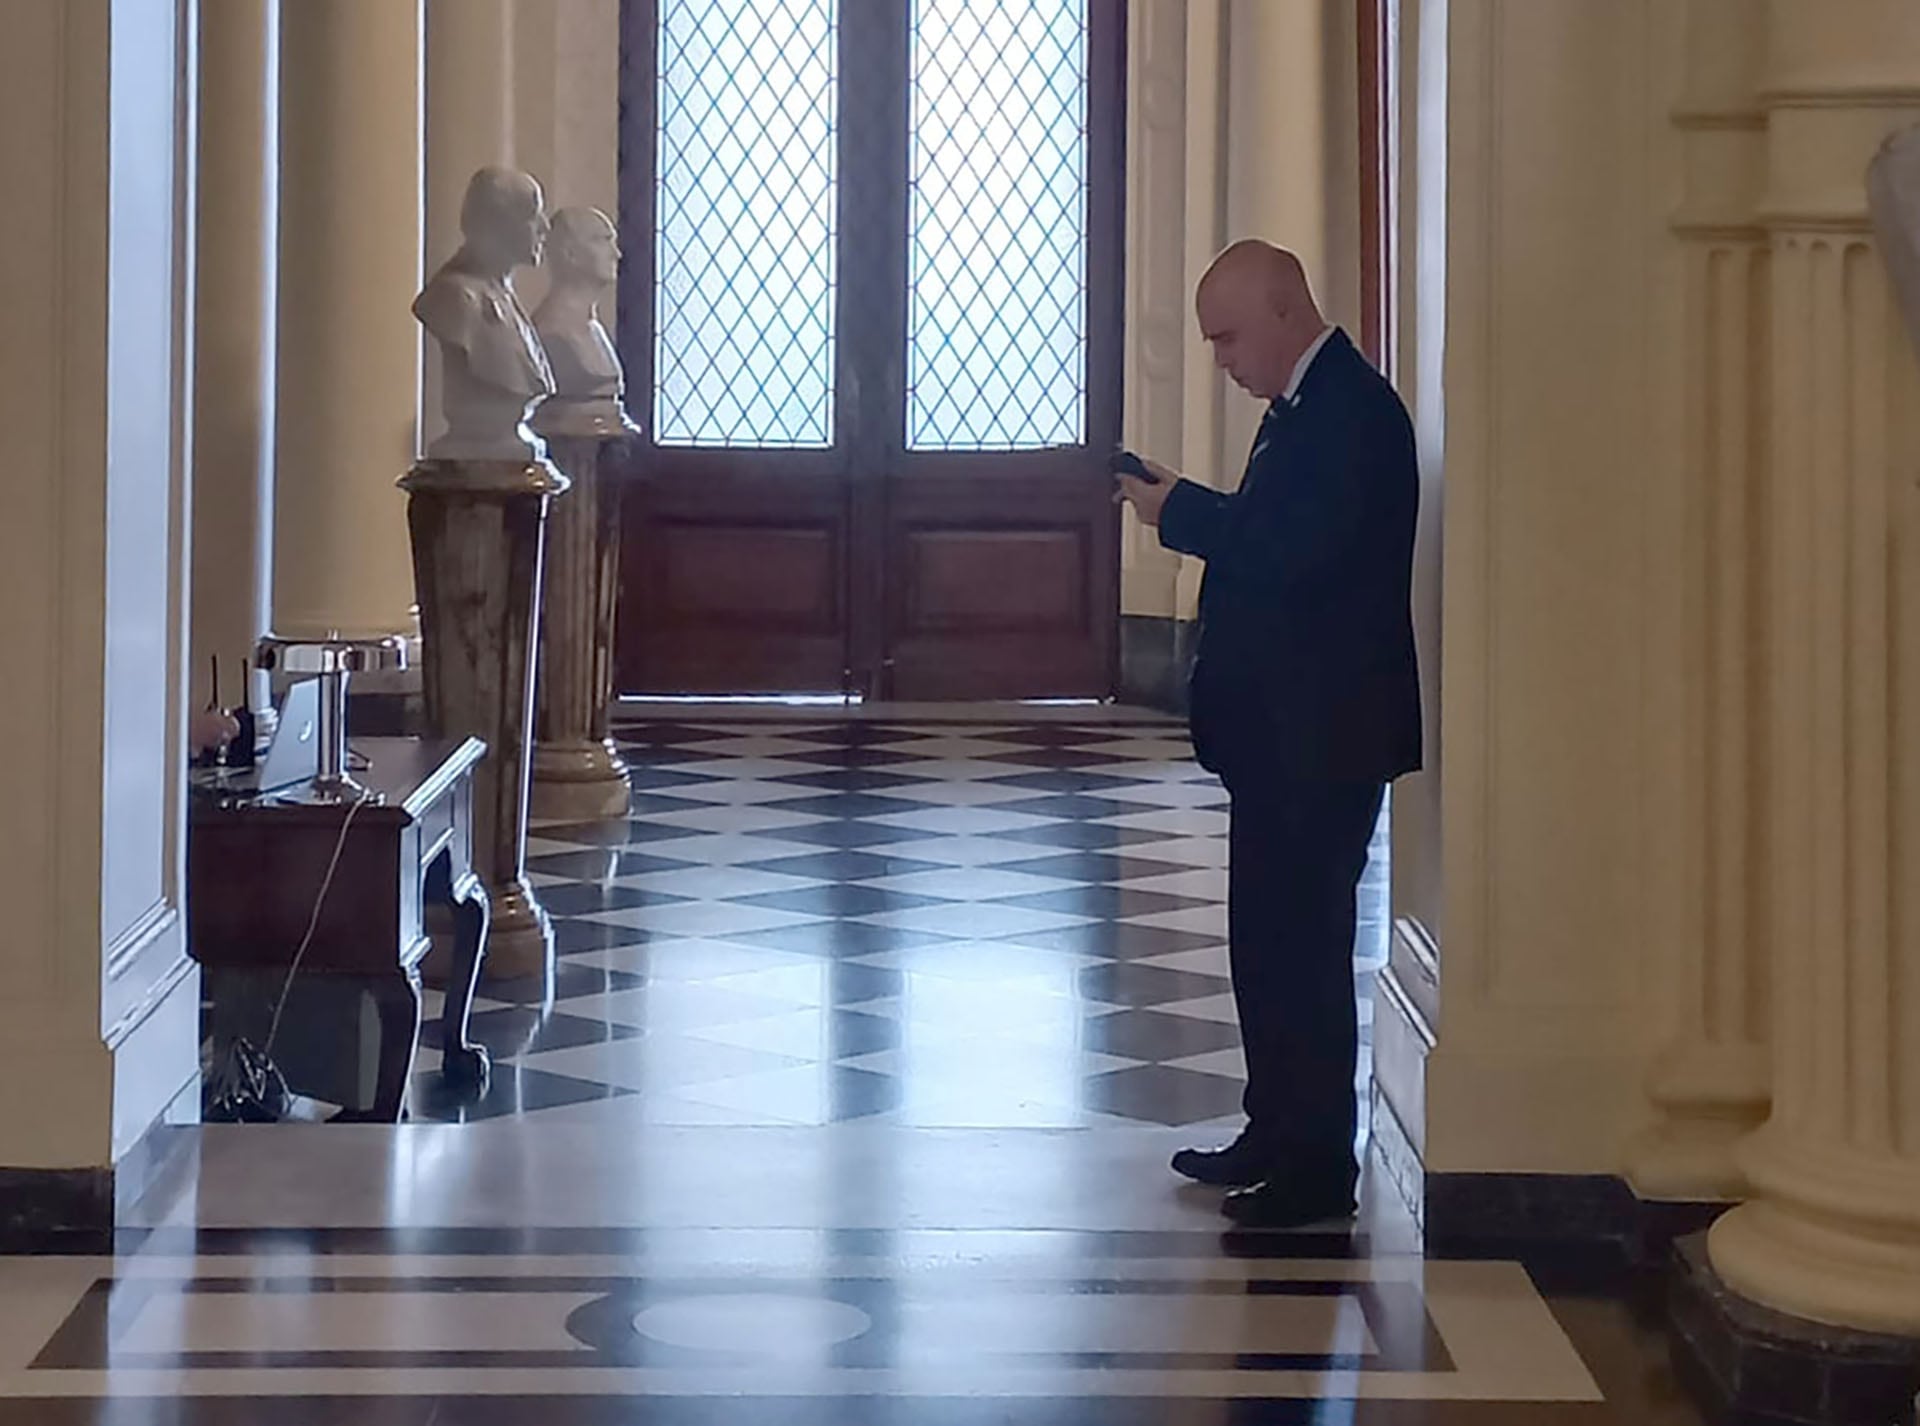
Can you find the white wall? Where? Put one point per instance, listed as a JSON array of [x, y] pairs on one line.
[[93, 393]]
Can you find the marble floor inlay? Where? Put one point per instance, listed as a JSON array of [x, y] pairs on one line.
[[851, 1105], [1391, 1328]]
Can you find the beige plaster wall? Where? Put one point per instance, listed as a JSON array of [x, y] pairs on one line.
[[1552, 240]]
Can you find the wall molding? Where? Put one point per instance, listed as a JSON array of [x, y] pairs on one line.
[[151, 925], [154, 996], [1692, 119], [1818, 220], [1708, 231], [1842, 96]]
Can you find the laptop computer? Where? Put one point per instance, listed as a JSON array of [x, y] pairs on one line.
[[293, 758]]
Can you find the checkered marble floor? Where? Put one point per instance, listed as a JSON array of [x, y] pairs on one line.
[[950, 925]]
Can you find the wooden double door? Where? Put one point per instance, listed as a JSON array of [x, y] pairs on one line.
[[870, 313]]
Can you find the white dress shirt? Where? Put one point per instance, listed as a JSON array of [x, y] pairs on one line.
[[1292, 394]]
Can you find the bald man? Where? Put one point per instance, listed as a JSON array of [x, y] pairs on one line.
[[1304, 699]]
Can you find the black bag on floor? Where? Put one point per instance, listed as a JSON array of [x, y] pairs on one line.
[[245, 1088]]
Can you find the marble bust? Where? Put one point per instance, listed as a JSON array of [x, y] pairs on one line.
[[1893, 194], [583, 261], [494, 369]]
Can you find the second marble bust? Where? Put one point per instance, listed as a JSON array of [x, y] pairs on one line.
[[494, 367], [583, 260]]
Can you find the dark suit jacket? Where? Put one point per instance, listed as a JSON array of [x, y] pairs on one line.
[[1306, 666]]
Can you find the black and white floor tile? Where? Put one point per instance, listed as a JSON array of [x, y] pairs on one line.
[[935, 924]]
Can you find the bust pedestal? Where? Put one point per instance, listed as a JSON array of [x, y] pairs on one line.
[[478, 529], [578, 773]]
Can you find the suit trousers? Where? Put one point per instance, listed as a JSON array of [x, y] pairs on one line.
[[1297, 850]]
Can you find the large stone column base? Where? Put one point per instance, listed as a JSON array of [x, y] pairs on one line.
[[520, 939], [579, 782], [1750, 1364]]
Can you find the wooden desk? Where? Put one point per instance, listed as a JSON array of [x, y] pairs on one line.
[[254, 869]]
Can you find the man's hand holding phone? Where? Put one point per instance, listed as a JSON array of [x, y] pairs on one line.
[[1144, 484]]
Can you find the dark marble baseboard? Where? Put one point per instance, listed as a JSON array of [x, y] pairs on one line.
[[48, 1212], [1155, 654], [1575, 1231], [1757, 1367], [1582, 1231], [56, 1210]]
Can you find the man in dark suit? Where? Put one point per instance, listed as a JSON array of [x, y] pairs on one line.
[[1305, 700]]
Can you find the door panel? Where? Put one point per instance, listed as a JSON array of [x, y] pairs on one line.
[[784, 577], [742, 574], [973, 581], [934, 521], [1000, 583]]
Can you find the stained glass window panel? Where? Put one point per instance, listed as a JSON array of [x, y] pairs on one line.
[[996, 335], [744, 227]]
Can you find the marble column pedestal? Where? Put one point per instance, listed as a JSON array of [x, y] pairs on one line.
[[578, 773], [478, 529]]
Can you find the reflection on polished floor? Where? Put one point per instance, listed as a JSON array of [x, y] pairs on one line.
[[852, 1108], [942, 925]]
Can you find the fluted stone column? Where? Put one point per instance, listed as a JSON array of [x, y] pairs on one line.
[[1832, 1232], [1710, 1083], [578, 773], [348, 347], [234, 234]]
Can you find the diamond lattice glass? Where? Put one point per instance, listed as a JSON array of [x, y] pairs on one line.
[[996, 338], [745, 278]]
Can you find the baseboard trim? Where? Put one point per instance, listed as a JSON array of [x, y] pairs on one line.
[[1155, 654], [74, 1212], [56, 1211], [1582, 1225]]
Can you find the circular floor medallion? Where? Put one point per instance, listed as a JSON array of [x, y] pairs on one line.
[[768, 1324]]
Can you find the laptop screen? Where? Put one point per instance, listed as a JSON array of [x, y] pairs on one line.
[[294, 757]]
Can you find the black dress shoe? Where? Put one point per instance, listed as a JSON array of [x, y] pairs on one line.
[[1281, 1203], [1240, 1165]]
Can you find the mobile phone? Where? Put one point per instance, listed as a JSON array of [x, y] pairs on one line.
[[1125, 462]]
